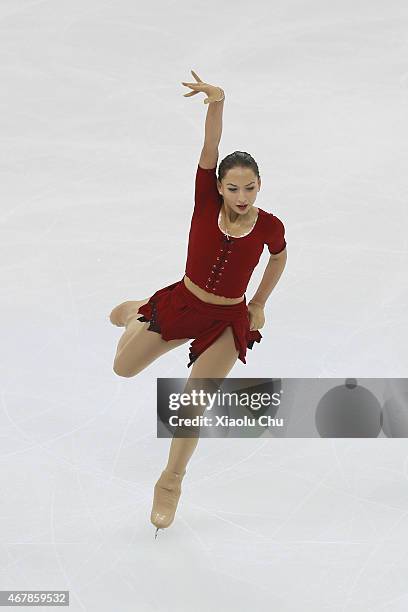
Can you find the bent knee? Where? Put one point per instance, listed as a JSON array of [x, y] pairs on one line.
[[121, 370]]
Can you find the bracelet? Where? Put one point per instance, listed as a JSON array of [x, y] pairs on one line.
[[222, 94], [257, 303]]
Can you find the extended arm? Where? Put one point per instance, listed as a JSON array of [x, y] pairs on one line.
[[213, 131], [213, 123]]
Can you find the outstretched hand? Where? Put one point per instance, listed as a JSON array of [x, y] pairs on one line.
[[213, 93]]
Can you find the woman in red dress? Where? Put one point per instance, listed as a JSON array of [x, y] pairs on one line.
[[208, 304]]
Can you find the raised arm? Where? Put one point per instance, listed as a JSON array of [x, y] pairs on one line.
[[213, 123], [213, 131]]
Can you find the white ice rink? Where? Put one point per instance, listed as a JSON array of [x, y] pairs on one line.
[[99, 150]]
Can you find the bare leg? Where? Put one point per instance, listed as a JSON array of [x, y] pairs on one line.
[[138, 347], [215, 362], [124, 311]]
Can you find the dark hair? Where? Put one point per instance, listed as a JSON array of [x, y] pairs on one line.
[[237, 159]]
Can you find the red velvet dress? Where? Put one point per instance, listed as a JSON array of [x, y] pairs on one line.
[[219, 264]]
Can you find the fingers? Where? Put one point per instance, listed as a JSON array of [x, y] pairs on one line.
[[193, 86], [195, 75], [196, 87]]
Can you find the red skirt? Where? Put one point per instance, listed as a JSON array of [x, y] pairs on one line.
[[175, 312]]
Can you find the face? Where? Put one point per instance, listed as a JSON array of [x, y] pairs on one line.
[[239, 186]]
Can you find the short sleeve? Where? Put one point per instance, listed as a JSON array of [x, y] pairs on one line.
[[206, 192], [275, 235]]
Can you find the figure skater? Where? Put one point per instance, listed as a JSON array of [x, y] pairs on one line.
[[208, 304]]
